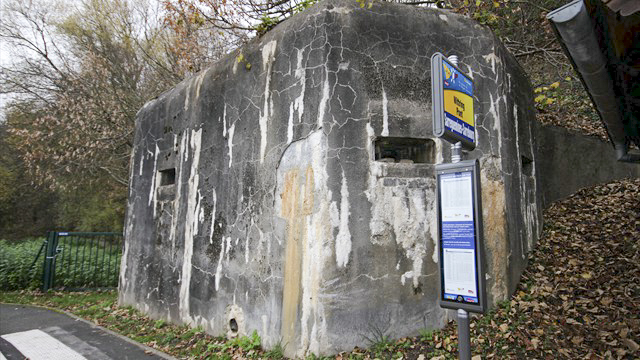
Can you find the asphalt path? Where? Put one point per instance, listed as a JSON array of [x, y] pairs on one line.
[[37, 334]]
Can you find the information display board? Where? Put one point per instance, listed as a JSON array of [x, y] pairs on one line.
[[460, 236], [452, 103]]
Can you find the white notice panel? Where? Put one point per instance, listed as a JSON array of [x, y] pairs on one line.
[[458, 230]]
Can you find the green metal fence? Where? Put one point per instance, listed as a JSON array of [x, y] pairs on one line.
[[81, 260]]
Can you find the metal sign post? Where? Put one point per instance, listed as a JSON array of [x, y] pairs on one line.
[[459, 199]]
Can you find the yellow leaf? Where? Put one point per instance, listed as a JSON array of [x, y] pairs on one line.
[[555, 85], [586, 275], [550, 101], [362, 5], [496, 4], [478, 2], [539, 98], [466, 3], [537, 90], [545, 88], [535, 342], [504, 327], [568, 78], [370, 5]]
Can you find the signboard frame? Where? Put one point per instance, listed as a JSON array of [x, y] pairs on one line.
[[439, 97], [464, 168]]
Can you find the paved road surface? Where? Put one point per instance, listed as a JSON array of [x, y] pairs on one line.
[[41, 334]]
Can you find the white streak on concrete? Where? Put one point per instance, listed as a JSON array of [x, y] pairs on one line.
[[141, 163], [290, 125], [301, 75], [322, 107], [228, 249], [492, 59], [224, 120], [343, 240], [268, 52], [191, 226], [385, 114], [125, 253], [232, 130], [246, 250], [198, 83], [174, 218], [219, 267]]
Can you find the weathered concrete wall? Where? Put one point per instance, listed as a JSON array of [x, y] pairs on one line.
[[281, 218], [571, 161]]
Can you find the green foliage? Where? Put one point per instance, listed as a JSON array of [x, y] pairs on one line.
[[79, 264], [16, 259], [365, 3], [303, 5], [241, 59], [426, 335], [266, 23], [160, 324], [246, 342]]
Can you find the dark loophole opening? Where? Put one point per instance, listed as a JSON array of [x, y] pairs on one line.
[[167, 177], [405, 150], [527, 165], [233, 325]]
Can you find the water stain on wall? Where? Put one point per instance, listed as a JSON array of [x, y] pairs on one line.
[[297, 205]]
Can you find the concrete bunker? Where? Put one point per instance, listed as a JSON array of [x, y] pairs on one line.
[[296, 198]]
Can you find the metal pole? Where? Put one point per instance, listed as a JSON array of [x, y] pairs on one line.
[[456, 152], [464, 337]]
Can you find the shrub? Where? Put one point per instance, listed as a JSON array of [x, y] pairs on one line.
[[17, 268]]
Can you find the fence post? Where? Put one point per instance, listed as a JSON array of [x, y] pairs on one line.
[[48, 272]]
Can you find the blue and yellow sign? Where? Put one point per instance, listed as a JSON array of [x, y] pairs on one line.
[[452, 103]]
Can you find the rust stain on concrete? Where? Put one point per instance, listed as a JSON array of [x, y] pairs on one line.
[[497, 257], [297, 203]]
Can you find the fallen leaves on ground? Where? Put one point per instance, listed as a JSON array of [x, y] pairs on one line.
[[574, 123]]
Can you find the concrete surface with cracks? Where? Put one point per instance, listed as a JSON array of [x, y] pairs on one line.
[[257, 200]]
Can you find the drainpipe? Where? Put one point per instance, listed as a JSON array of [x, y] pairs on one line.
[[573, 27]]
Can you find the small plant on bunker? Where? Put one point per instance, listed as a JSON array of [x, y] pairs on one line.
[[241, 59], [160, 324], [378, 340], [426, 335], [246, 343], [277, 352]]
